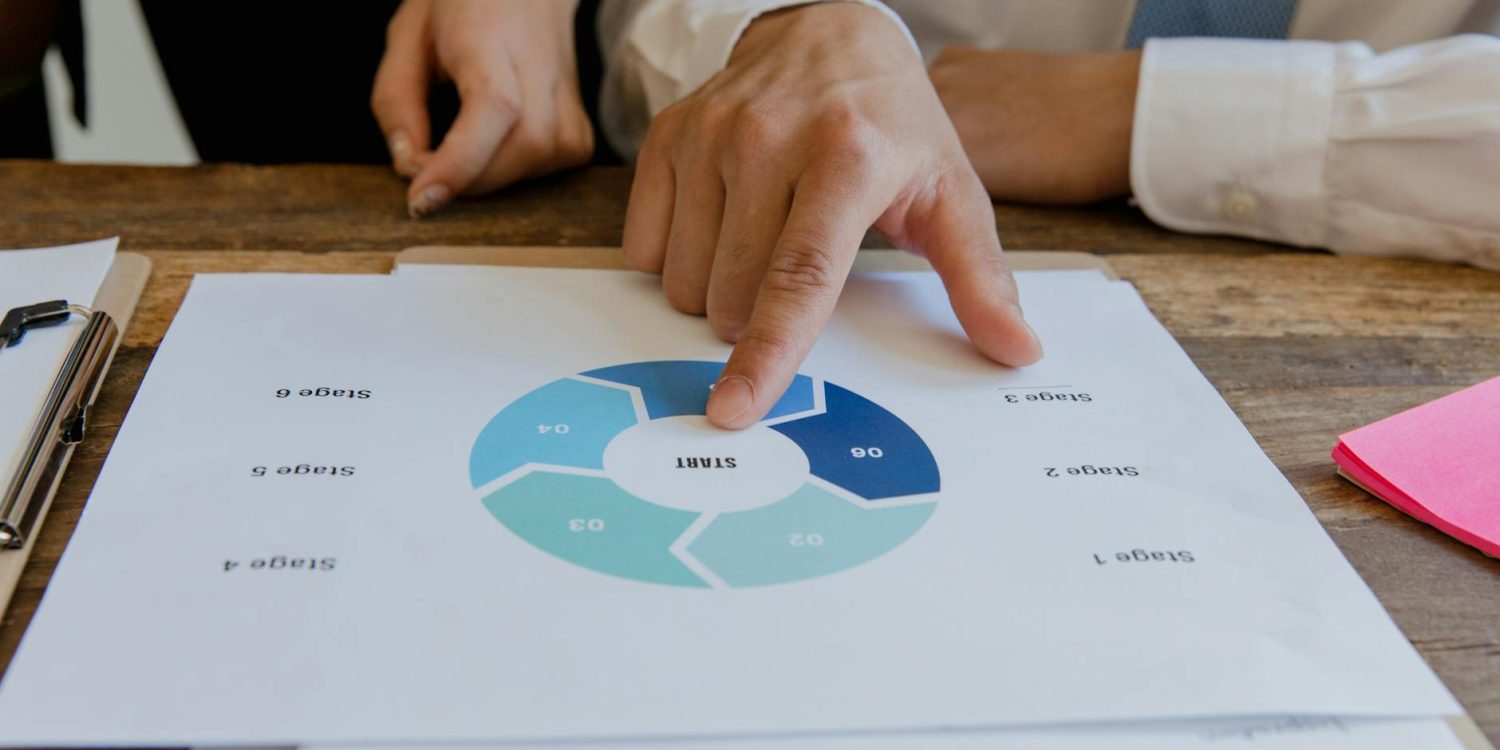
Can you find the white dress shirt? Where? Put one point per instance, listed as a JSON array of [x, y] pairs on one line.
[[1375, 130]]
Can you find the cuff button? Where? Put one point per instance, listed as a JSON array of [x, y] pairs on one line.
[[1241, 205]]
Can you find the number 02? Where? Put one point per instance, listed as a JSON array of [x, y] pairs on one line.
[[804, 540]]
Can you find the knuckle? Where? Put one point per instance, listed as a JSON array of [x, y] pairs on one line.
[[385, 95], [803, 266], [529, 138], [684, 298], [848, 140], [728, 319], [467, 165], [752, 131], [487, 91], [381, 100], [669, 117], [662, 134], [640, 257], [769, 344], [714, 114], [576, 144], [407, 20], [398, 27], [728, 330]]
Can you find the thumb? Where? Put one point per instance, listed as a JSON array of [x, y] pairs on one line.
[[489, 109]]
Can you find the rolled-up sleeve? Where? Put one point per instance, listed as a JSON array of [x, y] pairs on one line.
[[1325, 144]]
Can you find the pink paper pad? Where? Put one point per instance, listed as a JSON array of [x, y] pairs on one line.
[[1439, 463]]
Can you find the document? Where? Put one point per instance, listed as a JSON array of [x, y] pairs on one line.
[[482, 505], [1302, 733], [28, 369]]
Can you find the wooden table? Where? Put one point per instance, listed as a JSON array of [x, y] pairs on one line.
[[1302, 345]]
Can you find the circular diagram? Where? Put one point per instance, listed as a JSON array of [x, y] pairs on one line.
[[617, 470]]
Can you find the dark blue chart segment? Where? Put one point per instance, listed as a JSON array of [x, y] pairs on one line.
[[863, 448], [674, 388]]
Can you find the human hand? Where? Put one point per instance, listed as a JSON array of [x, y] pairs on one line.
[[520, 114], [752, 194], [1041, 127]]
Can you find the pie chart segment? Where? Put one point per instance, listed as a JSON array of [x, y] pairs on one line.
[[859, 446], [809, 534], [674, 388], [590, 521], [563, 423]]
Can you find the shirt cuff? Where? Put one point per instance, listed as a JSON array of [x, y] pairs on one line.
[[1230, 137]]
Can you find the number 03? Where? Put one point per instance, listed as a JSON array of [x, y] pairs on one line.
[[586, 524]]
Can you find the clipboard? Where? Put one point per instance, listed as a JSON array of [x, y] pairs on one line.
[[118, 296], [868, 261]]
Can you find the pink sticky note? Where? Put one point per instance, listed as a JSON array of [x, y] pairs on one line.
[[1439, 462]]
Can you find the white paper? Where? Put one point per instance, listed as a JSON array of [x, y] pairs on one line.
[[28, 369], [1031, 594], [1304, 733]]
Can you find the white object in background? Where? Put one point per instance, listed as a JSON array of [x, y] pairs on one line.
[[132, 116]]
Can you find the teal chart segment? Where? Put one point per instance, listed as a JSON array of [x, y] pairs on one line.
[[616, 470]]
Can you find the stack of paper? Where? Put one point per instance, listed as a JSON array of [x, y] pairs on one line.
[[27, 370], [482, 506], [1439, 462]]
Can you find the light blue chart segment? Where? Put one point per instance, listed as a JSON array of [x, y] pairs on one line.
[[564, 423], [811, 533], [858, 445], [673, 388], [590, 521]]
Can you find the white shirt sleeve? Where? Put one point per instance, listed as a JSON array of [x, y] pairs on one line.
[[1324, 144], [658, 51]]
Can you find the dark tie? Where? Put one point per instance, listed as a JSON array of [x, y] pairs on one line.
[[1248, 19]]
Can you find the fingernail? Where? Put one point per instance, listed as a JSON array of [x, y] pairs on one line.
[[1036, 341], [401, 154], [430, 199], [730, 399]]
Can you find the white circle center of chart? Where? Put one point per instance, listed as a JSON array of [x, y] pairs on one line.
[[687, 463]]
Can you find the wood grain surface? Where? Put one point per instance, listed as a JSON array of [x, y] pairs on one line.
[[1302, 345]]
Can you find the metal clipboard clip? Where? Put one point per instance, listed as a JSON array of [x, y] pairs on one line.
[[63, 419]]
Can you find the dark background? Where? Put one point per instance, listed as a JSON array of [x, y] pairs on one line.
[[273, 81]]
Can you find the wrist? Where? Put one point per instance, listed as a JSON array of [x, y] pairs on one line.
[[825, 27], [1121, 78]]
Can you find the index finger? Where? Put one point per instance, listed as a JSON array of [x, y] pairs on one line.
[[399, 95], [807, 271]]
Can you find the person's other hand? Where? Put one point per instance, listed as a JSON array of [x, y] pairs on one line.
[[1041, 127], [520, 113], [752, 194]]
